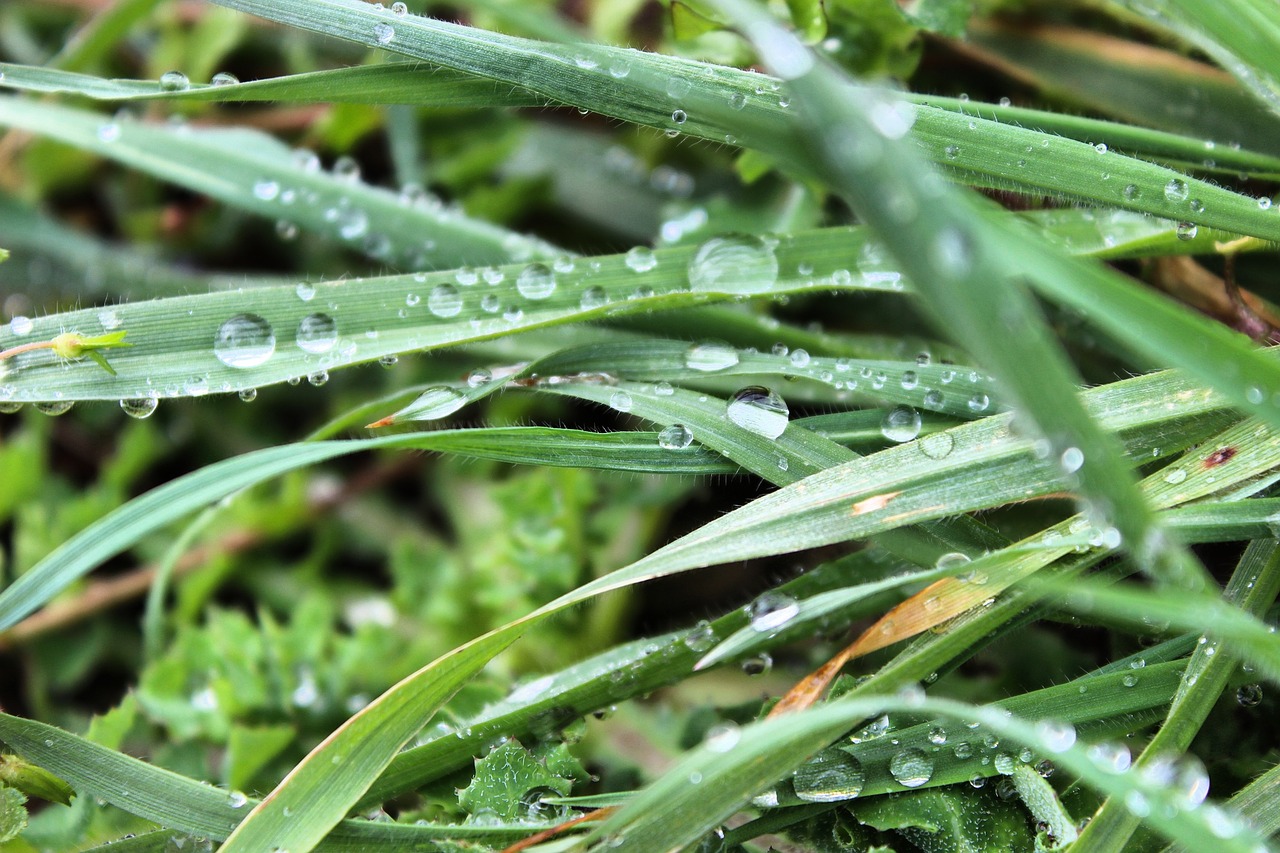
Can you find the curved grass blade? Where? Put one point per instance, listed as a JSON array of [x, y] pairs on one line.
[[707, 786], [256, 172], [952, 251], [726, 105]]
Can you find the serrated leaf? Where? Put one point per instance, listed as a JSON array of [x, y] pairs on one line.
[[509, 784]]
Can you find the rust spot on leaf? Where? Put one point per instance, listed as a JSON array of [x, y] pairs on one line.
[[1217, 457]]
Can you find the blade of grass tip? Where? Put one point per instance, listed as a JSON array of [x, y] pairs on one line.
[[1252, 588], [952, 252]]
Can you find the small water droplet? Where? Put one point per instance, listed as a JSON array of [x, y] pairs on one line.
[[592, 298], [722, 737], [675, 437], [759, 410], [711, 357], [1056, 736], [266, 190], [248, 395], [21, 325], [383, 33], [141, 407], [937, 445], [937, 735], [237, 800], [1249, 695], [979, 403], [1187, 230], [1111, 757], [621, 401], [733, 264], [245, 340], [224, 78], [1071, 460], [174, 81], [1175, 476], [911, 767], [901, 423], [306, 292], [317, 333], [536, 281], [399, 9]]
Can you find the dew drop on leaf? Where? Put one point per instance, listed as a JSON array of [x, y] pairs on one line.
[[444, 301], [536, 281], [829, 777], [911, 767], [640, 259], [759, 410], [733, 264], [711, 357], [140, 407], [771, 611], [901, 423], [174, 81], [53, 408], [675, 437], [317, 333], [245, 340]]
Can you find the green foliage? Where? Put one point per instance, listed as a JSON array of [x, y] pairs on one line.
[[885, 350]]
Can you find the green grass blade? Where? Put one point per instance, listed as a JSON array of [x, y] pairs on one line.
[[725, 106], [255, 172]]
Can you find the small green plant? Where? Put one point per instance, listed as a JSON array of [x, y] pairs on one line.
[[937, 327]]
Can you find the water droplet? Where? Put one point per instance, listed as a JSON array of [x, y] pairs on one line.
[[1111, 757], [383, 33], [1249, 695], [237, 800], [1072, 460], [830, 776], [1176, 190], [1264, 203], [640, 259], [911, 767], [53, 408], [937, 445], [664, 389], [434, 403], [478, 377], [320, 377], [346, 169], [771, 611], [444, 301], [675, 437], [224, 78], [1132, 192], [399, 9], [536, 281], [1175, 476], [1056, 736], [733, 264], [759, 410], [758, 665], [592, 298], [722, 737], [979, 403], [21, 325], [710, 357], [109, 132], [952, 560], [317, 333], [1187, 230], [306, 292], [620, 401], [248, 395], [174, 81], [701, 638], [679, 116], [245, 340], [901, 423], [141, 407], [266, 190], [951, 253], [937, 735], [952, 151]]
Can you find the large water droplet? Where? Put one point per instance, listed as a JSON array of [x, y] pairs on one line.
[[174, 81], [911, 767], [444, 301], [1176, 190], [245, 340], [771, 611], [640, 259], [710, 357], [829, 777], [53, 408], [438, 402], [141, 407], [901, 423], [759, 410], [734, 264], [536, 281], [224, 78], [675, 437], [317, 333]]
